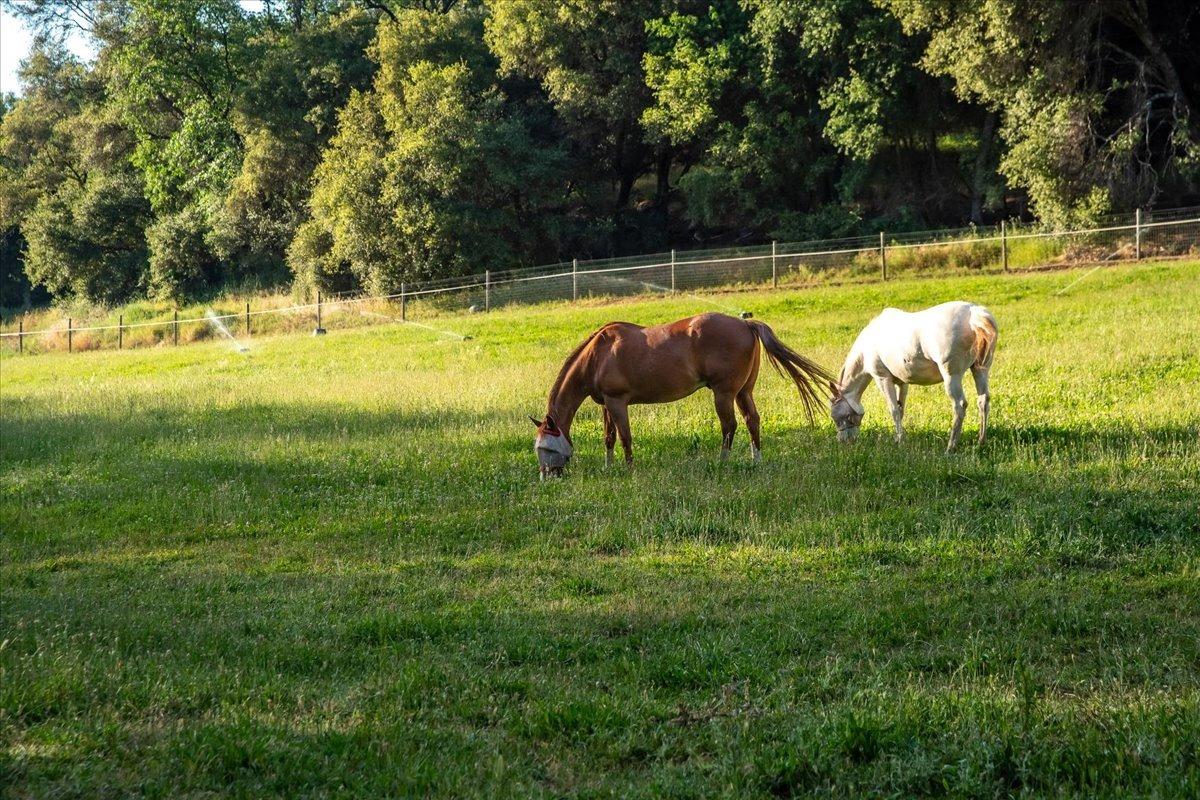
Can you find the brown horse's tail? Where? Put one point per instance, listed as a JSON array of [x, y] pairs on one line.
[[810, 378]]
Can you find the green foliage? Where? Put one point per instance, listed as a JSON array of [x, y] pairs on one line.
[[433, 172], [181, 263], [1080, 88], [347, 143]]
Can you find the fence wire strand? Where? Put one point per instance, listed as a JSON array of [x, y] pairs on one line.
[[1168, 233]]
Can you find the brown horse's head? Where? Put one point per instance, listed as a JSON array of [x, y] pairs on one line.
[[846, 412], [552, 446]]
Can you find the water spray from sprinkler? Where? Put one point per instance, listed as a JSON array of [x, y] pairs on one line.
[[219, 325]]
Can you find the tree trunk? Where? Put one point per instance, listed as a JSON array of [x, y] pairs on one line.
[[1137, 17], [662, 192], [986, 137]]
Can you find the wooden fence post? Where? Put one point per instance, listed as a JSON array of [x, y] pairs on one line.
[[672, 270], [247, 319], [1004, 244], [21, 334], [176, 327], [70, 336], [487, 290], [1137, 235], [403, 302], [774, 264], [120, 331], [574, 279], [882, 256]]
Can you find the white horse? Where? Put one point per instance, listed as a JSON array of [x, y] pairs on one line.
[[899, 348]]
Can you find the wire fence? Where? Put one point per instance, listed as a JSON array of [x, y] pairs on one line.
[[1007, 247]]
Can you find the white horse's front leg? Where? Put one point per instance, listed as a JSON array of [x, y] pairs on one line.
[[958, 401], [983, 398], [890, 390]]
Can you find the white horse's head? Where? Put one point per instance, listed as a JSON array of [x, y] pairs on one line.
[[846, 412], [553, 447]]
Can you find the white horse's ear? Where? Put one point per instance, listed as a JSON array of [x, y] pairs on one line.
[[834, 389]]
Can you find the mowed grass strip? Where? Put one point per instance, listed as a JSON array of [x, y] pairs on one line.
[[327, 567]]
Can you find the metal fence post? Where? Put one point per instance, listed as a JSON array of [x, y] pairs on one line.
[[317, 331], [1137, 235], [176, 327], [774, 264], [882, 256], [403, 302], [672, 270], [487, 290], [1004, 245], [120, 331], [70, 336], [574, 279], [247, 319]]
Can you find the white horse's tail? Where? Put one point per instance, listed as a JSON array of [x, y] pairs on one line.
[[986, 334]]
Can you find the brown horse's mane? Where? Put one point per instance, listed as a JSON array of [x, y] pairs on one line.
[[570, 362]]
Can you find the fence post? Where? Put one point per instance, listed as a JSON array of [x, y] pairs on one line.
[[1004, 244], [247, 319], [120, 331], [317, 331], [882, 256], [176, 326], [21, 334], [672, 270], [403, 302], [1137, 235], [574, 279], [774, 264], [70, 336], [487, 290]]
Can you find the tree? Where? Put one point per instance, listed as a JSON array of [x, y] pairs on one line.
[[66, 181], [1094, 106], [587, 56], [432, 172]]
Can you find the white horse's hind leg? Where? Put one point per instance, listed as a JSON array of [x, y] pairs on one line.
[[983, 398], [958, 400], [891, 390]]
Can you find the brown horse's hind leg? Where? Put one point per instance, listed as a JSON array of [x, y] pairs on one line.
[[619, 411], [745, 402], [724, 401], [610, 437]]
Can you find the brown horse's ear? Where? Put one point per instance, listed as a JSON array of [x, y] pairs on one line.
[[550, 423], [535, 422]]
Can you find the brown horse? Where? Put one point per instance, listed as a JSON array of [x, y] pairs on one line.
[[622, 364]]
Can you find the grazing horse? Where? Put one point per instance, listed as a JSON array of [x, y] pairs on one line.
[[899, 348], [622, 364]]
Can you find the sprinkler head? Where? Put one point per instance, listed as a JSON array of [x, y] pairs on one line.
[[318, 332], [745, 315]]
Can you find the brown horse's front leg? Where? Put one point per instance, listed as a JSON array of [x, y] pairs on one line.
[[619, 411], [724, 401], [610, 437]]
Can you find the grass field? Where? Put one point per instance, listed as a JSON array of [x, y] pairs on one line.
[[327, 567]]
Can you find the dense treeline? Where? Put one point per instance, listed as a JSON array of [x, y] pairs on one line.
[[357, 143]]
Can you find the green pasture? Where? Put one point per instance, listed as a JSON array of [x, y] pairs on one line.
[[327, 567]]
